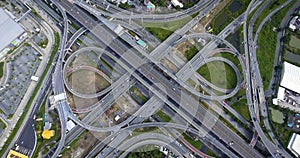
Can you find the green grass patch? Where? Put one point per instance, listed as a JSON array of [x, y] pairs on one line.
[[287, 40], [39, 127], [159, 3], [163, 116], [21, 119], [280, 130], [236, 39], [167, 25], [267, 41], [159, 33], [146, 154], [2, 124], [146, 129], [211, 153], [1, 69], [196, 144], [124, 6], [43, 43], [241, 107], [295, 42], [163, 30], [191, 52], [233, 59], [106, 64], [219, 73], [72, 144], [283, 133], [277, 116], [138, 94], [228, 14], [272, 5]]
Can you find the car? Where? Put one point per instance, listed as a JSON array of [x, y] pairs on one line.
[[254, 119]]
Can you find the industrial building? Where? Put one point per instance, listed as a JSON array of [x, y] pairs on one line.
[[290, 77], [295, 23], [9, 31], [288, 95], [294, 144]]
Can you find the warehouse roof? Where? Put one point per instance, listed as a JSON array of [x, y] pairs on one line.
[[290, 78], [9, 29], [294, 144]]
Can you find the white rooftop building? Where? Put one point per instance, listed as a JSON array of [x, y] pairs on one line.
[[290, 77], [294, 23], [70, 125], [47, 125], [117, 117], [9, 29], [177, 3], [280, 94], [294, 144], [34, 78], [118, 29], [60, 97]]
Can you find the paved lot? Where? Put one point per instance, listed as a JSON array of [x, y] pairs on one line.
[[22, 66]]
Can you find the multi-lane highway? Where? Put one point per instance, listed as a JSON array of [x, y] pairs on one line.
[[136, 63], [118, 13], [254, 82], [166, 87]]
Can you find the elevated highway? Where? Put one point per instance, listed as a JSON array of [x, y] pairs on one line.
[[252, 98], [118, 13]]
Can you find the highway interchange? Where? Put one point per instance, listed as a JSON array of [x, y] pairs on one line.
[[167, 88]]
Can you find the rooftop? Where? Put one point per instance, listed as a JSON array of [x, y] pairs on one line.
[[70, 125], [9, 29], [290, 78], [294, 144], [13, 154], [47, 134]]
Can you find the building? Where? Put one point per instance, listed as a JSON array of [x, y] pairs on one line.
[[141, 43], [295, 23], [9, 30], [288, 95], [293, 122], [47, 125], [48, 134], [150, 7], [34, 78], [294, 144], [176, 3], [118, 29], [60, 97], [15, 154], [290, 77], [117, 117], [280, 95], [70, 125]]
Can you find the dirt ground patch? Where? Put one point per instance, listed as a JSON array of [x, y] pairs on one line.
[[170, 65], [83, 145]]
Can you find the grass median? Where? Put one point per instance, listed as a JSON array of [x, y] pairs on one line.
[[1, 69], [241, 107]]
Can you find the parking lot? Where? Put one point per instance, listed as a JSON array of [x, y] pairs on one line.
[[20, 67]]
